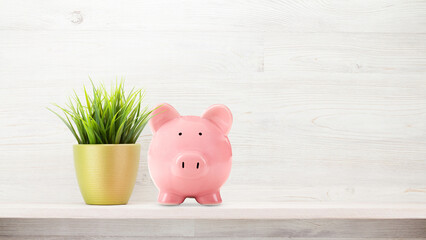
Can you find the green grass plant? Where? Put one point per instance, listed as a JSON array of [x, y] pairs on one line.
[[106, 118]]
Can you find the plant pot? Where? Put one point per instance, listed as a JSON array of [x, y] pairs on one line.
[[106, 173]]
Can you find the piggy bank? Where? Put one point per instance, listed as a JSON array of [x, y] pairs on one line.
[[190, 156]]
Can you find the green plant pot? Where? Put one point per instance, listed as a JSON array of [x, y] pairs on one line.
[[106, 173]]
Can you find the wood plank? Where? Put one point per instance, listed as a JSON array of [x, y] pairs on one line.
[[346, 53], [181, 238], [322, 229], [99, 227], [166, 56], [242, 210], [396, 16], [313, 228]]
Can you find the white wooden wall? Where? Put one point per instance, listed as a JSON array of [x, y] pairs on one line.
[[328, 97]]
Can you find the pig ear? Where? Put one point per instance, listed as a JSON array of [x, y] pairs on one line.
[[221, 116], [162, 114]]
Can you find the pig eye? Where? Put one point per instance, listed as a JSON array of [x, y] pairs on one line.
[[200, 133], [180, 134]]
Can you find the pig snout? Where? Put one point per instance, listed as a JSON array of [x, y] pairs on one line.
[[190, 165]]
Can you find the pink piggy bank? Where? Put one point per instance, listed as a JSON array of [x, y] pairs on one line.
[[190, 156]]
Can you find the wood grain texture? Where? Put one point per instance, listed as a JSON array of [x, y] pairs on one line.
[[328, 97], [181, 238], [324, 229], [404, 16], [226, 211], [345, 52]]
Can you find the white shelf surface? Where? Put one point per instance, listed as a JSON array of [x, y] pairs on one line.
[[191, 210]]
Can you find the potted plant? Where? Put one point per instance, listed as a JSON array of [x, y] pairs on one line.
[[106, 127]]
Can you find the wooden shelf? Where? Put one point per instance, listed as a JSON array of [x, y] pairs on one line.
[[262, 220], [191, 210]]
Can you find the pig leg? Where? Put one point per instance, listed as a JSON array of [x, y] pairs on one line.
[[210, 199], [167, 198]]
